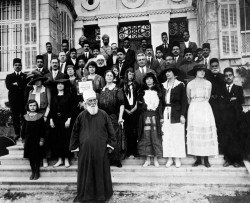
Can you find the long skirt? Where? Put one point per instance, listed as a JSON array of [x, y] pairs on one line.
[[173, 140], [150, 143], [201, 130], [60, 138], [119, 151]]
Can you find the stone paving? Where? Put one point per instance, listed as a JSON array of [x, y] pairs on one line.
[[177, 195]]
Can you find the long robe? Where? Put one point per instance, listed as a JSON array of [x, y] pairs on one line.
[[92, 133]]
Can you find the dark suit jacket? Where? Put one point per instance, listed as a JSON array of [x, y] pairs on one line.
[[110, 62], [154, 65], [70, 62], [180, 61], [236, 91], [44, 71], [45, 60], [130, 57], [164, 50], [16, 92], [125, 66], [86, 59], [192, 45], [178, 102], [139, 76]]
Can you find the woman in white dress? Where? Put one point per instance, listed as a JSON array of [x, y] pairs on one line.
[[173, 128], [201, 129]]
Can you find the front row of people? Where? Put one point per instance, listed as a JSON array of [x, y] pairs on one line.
[[155, 117]]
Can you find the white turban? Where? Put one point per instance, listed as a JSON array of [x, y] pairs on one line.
[[88, 94]]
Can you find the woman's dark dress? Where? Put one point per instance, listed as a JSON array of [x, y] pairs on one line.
[[110, 101], [131, 121], [33, 131], [61, 110]]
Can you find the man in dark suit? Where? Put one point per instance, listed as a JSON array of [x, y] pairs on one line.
[[142, 48], [234, 136], [122, 64], [161, 61], [142, 69], [40, 65], [16, 83], [112, 60], [72, 59], [48, 56], [62, 62], [55, 74], [130, 54], [206, 55], [65, 47], [218, 99], [178, 59], [187, 44], [187, 66], [165, 47], [152, 63], [86, 51]]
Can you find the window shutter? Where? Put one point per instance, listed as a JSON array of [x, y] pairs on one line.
[[229, 32]]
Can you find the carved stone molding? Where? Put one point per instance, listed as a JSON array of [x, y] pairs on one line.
[[140, 14], [132, 3]]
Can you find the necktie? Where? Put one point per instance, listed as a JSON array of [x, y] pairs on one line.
[[86, 54], [165, 46], [54, 75], [205, 62], [142, 71], [175, 59], [61, 67], [228, 88]]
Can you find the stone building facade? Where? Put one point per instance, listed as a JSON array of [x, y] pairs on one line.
[[225, 24]]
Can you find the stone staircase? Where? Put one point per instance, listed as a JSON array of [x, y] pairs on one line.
[[15, 172]]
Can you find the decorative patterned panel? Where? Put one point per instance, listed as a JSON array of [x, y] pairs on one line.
[[245, 43], [176, 28], [134, 31]]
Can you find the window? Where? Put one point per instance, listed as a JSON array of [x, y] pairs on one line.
[[10, 33], [245, 26], [64, 29], [229, 29], [30, 33]]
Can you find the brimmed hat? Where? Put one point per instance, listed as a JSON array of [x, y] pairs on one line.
[[196, 68], [172, 67], [150, 74], [34, 73], [37, 78], [63, 81]]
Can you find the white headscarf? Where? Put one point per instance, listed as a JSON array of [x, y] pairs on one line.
[[100, 57]]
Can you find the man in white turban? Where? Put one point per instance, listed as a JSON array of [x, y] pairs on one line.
[[94, 135]]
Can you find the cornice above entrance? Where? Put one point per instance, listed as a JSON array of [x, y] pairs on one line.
[[138, 14]]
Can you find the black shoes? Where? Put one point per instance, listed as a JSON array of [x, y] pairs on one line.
[[197, 163], [32, 175]]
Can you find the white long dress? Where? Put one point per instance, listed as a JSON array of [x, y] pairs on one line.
[[173, 140], [201, 128]]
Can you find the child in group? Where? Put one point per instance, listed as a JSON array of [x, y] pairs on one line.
[[33, 132]]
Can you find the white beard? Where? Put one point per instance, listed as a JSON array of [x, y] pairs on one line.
[[92, 110]]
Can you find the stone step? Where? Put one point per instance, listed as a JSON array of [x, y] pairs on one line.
[[130, 170], [17, 159], [130, 183]]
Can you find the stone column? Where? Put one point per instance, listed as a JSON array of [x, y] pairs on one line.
[[159, 24], [109, 26], [192, 27]]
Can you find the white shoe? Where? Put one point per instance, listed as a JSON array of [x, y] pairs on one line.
[[156, 163], [66, 163], [177, 163], [59, 163], [45, 163], [169, 163], [147, 163]]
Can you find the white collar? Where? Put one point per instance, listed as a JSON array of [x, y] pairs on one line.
[[35, 88], [176, 83], [18, 73]]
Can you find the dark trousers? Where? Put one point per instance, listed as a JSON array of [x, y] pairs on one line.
[[17, 111], [34, 164]]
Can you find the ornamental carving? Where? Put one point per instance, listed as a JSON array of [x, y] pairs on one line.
[[132, 3], [90, 4]]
